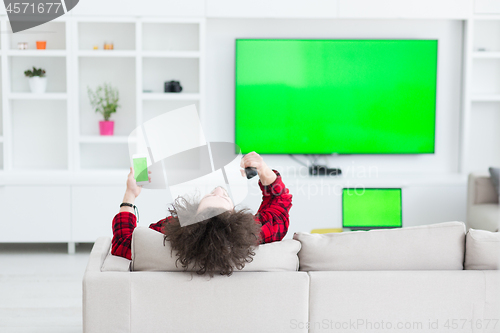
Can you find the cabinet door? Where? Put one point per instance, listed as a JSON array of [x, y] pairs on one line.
[[165, 8], [35, 214], [405, 9], [275, 8]]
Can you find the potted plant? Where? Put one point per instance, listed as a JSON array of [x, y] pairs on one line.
[[37, 80], [105, 101]]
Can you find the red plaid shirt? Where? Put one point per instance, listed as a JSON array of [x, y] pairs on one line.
[[272, 215]]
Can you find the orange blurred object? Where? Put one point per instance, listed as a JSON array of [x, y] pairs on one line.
[[41, 44]]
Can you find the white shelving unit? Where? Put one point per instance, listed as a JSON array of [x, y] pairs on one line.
[[147, 52], [481, 109], [36, 132]]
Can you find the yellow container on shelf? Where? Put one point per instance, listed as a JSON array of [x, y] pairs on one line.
[[326, 231]]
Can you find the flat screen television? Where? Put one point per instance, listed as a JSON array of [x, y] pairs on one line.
[[335, 96], [371, 208]]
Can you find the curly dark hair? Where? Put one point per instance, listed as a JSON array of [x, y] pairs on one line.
[[221, 241]]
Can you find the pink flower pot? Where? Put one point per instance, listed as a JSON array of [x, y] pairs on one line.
[[106, 127]]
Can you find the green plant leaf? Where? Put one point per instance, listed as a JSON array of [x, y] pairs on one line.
[[36, 72], [104, 100]]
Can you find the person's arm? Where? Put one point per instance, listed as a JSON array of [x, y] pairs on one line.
[[274, 209], [125, 221], [276, 200], [124, 224]]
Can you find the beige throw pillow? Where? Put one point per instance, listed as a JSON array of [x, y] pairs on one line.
[[482, 250]]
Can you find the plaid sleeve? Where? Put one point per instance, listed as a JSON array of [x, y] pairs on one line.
[[273, 212], [158, 226], [124, 224]]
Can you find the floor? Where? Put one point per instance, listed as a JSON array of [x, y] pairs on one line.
[[41, 288]]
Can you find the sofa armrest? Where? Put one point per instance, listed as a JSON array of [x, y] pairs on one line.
[[106, 295], [98, 254]]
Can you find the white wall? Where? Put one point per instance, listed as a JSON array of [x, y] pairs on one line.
[[429, 203], [287, 8]]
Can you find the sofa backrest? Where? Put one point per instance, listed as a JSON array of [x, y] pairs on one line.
[[480, 190], [151, 253], [427, 247]]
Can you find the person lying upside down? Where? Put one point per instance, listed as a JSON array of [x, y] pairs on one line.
[[219, 243]]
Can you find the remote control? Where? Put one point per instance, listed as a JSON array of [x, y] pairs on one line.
[[251, 172]]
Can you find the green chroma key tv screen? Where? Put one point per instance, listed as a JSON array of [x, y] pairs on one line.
[[335, 96], [372, 208]]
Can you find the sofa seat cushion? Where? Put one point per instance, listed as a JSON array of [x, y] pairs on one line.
[[403, 301], [482, 250], [428, 247], [149, 253]]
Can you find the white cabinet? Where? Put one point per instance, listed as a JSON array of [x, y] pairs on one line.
[[275, 8], [164, 8], [404, 9], [34, 214]]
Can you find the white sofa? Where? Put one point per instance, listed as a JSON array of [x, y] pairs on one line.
[[483, 209], [399, 280]]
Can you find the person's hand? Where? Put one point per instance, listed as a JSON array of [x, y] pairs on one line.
[[266, 175], [252, 160], [132, 186]]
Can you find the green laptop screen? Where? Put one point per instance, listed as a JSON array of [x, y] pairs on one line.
[[371, 208], [335, 96]]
